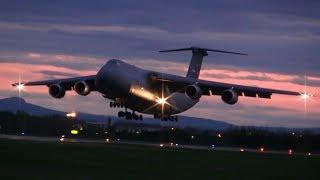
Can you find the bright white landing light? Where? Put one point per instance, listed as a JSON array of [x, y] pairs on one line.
[[20, 87], [71, 114], [161, 101], [305, 96]]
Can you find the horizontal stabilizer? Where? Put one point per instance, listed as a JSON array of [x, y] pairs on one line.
[[202, 50]]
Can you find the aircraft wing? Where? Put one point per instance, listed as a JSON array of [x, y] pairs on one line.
[[67, 83], [177, 83], [216, 88]]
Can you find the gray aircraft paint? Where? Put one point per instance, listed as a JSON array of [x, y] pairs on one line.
[[115, 79]]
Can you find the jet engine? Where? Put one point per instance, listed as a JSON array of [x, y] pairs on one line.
[[229, 96], [193, 91], [57, 91], [82, 88]]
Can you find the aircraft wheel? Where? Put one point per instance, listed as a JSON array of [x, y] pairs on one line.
[[121, 114], [135, 117], [128, 116], [140, 117]]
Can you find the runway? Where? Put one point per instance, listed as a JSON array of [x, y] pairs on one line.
[[156, 145]]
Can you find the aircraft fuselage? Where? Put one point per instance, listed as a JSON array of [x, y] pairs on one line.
[[131, 86]]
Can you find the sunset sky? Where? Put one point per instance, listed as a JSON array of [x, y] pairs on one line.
[[50, 39]]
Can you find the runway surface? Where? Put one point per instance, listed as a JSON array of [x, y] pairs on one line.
[[141, 143]]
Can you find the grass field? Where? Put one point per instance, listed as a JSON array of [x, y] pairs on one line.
[[48, 160]]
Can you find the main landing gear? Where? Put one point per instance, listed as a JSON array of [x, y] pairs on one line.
[[116, 105], [133, 116], [129, 115]]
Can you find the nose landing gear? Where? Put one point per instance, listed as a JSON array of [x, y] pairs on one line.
[[129, 116], [125, 114]]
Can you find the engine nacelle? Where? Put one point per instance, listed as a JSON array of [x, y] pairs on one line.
[[82, 88], [193, 91], [57, 91], [229, 96]]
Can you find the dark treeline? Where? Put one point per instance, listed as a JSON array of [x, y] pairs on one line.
[[237, 137], [245, 137], [21, 122]]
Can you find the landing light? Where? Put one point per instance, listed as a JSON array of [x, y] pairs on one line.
[[143, 93], [72, 114], [305, 96], [20, 87], [161, 101]]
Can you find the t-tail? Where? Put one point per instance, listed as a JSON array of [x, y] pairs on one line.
[[197, 57]]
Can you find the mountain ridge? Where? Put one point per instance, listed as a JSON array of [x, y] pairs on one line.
[[13, 104]]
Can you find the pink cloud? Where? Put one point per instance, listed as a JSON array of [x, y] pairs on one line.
[[291, 103], [10, 73]]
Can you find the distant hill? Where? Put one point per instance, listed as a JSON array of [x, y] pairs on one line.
[[14, 104]]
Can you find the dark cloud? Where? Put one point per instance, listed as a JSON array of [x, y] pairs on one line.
[[301, 80], [58, 60], [279, 36]]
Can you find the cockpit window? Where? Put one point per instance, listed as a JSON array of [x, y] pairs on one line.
[[114, 62]]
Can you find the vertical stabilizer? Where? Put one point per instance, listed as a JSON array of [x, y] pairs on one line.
[[197, 57], [196, 62]]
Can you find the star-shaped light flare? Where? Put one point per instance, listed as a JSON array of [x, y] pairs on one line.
[[20, 86], [305, 96]]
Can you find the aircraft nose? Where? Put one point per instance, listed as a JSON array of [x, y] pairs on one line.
[[113, 81]]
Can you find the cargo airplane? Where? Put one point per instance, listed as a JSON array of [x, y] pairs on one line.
[[159, 94]]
